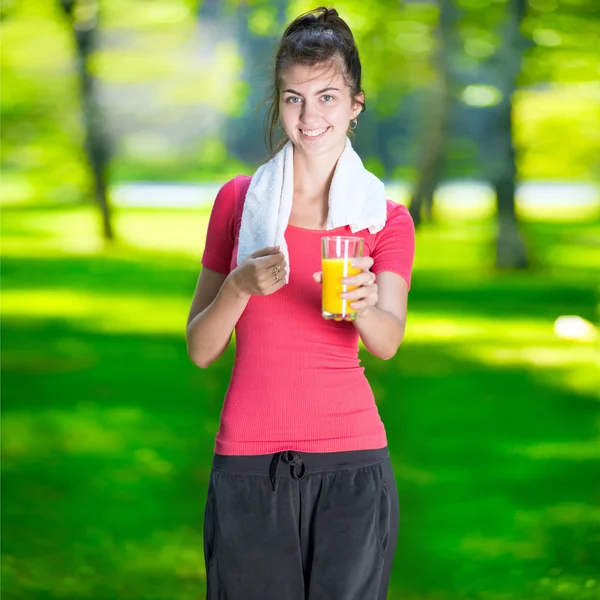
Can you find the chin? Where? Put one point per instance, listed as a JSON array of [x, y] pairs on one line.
[[321, 149]]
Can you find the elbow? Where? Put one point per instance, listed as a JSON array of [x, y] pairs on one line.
[[202, 364], [199, 360], [389, 352], [382, 353]]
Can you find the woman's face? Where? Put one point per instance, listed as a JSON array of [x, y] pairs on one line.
[[316, 108]]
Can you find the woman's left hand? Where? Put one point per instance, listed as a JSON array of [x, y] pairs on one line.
[[366, 293]]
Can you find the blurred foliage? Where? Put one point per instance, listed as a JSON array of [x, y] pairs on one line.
[[108, 429], [175, 75]]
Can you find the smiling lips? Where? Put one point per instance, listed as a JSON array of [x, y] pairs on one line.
[[313, 133]]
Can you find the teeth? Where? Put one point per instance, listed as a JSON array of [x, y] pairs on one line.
[[313, 132]]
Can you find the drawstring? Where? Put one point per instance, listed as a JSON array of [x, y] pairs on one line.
[[294, 459]]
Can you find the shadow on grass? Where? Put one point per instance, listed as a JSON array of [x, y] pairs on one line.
[[108, 437], [106, 463], [463, 293]]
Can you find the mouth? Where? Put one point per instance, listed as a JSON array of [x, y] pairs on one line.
[[314, 134]]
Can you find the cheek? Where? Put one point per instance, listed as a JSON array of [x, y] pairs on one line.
[[288, 113], [338, 115]]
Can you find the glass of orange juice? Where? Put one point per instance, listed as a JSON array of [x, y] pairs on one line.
[[337, 253]]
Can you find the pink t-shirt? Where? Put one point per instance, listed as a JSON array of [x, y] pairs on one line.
[[297, 383]]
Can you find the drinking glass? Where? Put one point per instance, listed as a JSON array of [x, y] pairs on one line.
[[337, 252]]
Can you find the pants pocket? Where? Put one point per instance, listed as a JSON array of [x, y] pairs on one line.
[[383, 517], [210, 526]]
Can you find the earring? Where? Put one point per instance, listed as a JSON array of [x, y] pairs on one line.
[[353, 127], [280, 127]]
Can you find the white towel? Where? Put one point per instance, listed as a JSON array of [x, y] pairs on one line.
[[356, 198]]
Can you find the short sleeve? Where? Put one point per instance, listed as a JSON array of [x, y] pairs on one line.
[[220, 237], [394, 245]]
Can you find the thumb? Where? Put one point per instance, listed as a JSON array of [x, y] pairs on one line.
[[265, 251], [318, 276]]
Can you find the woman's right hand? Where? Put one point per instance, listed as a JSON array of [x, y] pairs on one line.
[[261, 274]]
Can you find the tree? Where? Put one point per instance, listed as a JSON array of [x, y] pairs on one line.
[[437, 123], [83, 17], [504, 66]]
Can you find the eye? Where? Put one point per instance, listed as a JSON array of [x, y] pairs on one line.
[[327, 98], [292, 100]]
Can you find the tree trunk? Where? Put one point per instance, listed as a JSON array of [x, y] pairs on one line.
[[257, 51], [437, 117], [432, 157], [511, 251], [84, 23], [510, 247]]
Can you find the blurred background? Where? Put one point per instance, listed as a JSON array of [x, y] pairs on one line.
[[120, 121]]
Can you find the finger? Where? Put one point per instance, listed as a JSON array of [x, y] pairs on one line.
[[276, 277], [357, 294], [269, 250], [364, 263], [264, 262], [279, 282], [364, 278], [358, 305], [362, 305], [318, 276], [273, 272]]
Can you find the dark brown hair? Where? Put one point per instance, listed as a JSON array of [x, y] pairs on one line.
[[317, 36]]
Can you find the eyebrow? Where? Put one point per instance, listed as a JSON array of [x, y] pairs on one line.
[[316, 93]]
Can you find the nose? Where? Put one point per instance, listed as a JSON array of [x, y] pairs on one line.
[[310, 112]]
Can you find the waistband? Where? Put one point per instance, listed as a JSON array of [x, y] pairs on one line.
[[297, 464]]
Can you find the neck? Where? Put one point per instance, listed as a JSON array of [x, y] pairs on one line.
[[313, 174]]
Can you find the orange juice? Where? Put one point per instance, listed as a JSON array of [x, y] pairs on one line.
[[334, 270]]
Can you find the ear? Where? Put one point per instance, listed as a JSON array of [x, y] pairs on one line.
[[359, 100]]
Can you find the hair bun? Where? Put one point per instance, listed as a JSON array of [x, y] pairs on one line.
[[315, 19], [328, 13]]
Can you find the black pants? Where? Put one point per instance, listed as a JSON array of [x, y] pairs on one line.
[[301, 526]]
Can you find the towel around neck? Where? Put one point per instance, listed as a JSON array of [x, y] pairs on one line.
[[356, 198]]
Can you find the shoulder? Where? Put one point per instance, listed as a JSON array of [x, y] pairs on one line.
[[238, 186], [397, 211], [230, 197], [398, 221], [393, 248]]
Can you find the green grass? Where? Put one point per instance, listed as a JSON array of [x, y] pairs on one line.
[[108, 428]]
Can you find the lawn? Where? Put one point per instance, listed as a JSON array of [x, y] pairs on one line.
[[108, 429]]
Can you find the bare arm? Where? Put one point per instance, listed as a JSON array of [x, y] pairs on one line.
[[381, 327], [381, 308], [220, 300], [216, 308]]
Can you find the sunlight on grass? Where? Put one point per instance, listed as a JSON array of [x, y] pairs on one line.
[[572, 451], [573, 327], [567, 587], [533, 356], [88, 430], [28, 435], [168, 558], [167, 231], [511, 342], [412, 474], [105, 410], [574, 524], [584, 378], [77, 231], [438, 328], [571, 256], [494, 548], [101, 312], [178, 552]]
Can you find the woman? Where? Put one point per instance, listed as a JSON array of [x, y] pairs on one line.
[[302, 500]]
